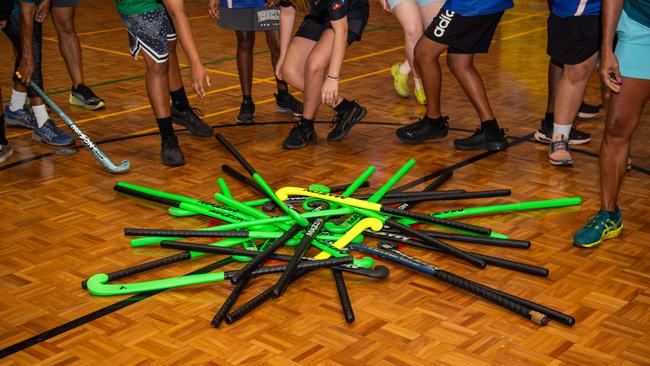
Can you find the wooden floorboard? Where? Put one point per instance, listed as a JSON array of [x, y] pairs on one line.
[[62, 222]]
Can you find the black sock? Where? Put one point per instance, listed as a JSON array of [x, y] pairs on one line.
[[165, 126], [548, 118], [343, 106], [283, 93], [3, 138], [434, 121], [179, 100], [491, 126], [247, 99], [307, 122]]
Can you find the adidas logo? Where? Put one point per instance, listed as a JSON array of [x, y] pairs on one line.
[[445, 19]]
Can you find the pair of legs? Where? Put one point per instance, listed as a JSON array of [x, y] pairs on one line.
[[245, 46], [427, 54], [161, 78]]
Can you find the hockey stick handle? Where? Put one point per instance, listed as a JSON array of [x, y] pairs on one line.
[[344, 297]]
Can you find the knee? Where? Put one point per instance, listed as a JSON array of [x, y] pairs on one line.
[[412, 34], [66, 30], [289, 74], [577, 73], [158, 68], [420, 54], [617, 129], [315, 66], [245, 41], [458, 64]]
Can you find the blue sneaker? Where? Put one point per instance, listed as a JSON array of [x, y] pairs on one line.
[[20, 118], [603, 226], [51, 135]]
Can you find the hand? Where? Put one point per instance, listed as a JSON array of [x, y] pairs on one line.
[[330, 92], [385, 6], [42, 11], [278, 68], [610, 73], [26, 69], [200, 76], [3, 24], [213, 8]]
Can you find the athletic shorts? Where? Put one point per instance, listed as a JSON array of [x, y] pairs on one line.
[[250, 19], [633, 48], [12, 31], [573, 40], [149, 32], [471, 34], [392, 4], [311, 28], [64, 3]]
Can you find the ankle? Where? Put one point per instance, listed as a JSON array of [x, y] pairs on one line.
[[343, 106], [491, 126], [306, 122], [247, 99]]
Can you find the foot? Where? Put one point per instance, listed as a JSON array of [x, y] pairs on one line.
[[82, 96], [51, 135], [299, 137], [170, 152], [588, 111], [483, 139], [559, 154], [20, 118], [605, 225], [344, 121], [289, 105], [421, 130], [5, 152], [192, 120], [420, 96], [545, 135], [400, 81], [246, 113]]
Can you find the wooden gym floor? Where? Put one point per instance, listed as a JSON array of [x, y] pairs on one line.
[[62, 222]]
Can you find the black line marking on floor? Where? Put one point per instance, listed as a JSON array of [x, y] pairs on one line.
[[98, 314]]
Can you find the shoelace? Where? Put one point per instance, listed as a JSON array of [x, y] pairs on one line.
[[562, 145], [600, 219], [197, 112]]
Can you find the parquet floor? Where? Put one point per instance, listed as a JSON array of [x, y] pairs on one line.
[[61, 221]]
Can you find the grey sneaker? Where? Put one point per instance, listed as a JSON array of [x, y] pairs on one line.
[[5, 152], [51, 135]]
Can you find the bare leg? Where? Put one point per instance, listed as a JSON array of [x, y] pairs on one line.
[[408, 15], [315, 69], [462, 66], [158, 86], [427, 53], [173, 70], [63, 19], [554, 76], [245, 45], [273, 42], [571, 90], [293, 68]]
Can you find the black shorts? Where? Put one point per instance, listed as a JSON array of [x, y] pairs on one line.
[[463, 34], [150, 32], [250, 19], [311, 28], [573, 40]]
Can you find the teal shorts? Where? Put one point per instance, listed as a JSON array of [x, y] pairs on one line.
[[421, 3], [633, 48]]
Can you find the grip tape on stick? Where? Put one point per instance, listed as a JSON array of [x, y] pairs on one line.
[[229, 302], [344, 297]]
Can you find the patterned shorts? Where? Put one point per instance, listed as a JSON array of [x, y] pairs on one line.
[[150, 33]]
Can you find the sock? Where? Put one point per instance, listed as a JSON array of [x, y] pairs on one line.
[[564, 130], [282, 93], [179, 100], [343, 106], [548, 119], [491, 126], [18, 100], [41, 114], [433, 121], [247, 98], [3, 138], [306, 122], [404, 67], [165, 126]]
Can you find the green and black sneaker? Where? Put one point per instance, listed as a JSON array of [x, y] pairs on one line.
[[82, 96], [605, 225]]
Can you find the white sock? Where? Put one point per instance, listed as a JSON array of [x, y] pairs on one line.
[[564, 130], [18, 100], [41, 114]]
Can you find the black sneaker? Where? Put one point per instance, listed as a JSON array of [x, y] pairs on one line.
[[588, 111], [192, 120], [299, 137], [82, 96], [170, 152], [289, 105], [545, 132], [482, 139], [246, 113], [344, 121], [421, 130]]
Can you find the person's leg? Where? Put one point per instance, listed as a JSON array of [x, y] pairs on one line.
[[293, 68], [408, 15], [5, 147], [568, 98], [427, 12], [245, 46], [462, 66], [284, 101]]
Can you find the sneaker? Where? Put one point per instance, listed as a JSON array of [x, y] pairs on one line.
[[421, 130], [420, 96], [82, 96], [559, 154], [170, 152], [545, 132], [299, 137], [192, 120], [20, 118], [400, 81], [344, 121], [51, 135], [587, 111], [246, 113], [5, 152], [601, 227], [482, 139], [289, 105]]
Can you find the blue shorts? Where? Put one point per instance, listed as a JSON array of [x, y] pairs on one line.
[[633, 48], [421, 3]]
